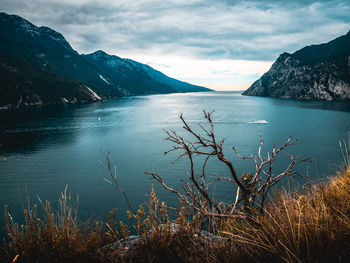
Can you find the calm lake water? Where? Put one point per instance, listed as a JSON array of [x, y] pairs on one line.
[[44, 149]]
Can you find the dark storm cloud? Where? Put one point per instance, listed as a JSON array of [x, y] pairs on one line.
[[258, 30]]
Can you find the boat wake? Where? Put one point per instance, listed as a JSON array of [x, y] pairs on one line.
[[259, 122]]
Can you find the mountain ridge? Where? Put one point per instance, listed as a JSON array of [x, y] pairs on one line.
[[47, 54], [112, 64]]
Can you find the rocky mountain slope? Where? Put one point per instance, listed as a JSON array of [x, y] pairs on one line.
[[38, 66], [319, 72]]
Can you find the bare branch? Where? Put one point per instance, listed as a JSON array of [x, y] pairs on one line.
[[113, 176], [248, 188]]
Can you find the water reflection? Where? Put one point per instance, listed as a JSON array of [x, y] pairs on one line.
[[314, 104]]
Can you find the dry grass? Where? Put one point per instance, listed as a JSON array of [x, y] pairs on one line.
[[53, 238], [312, 226], [308, 226]]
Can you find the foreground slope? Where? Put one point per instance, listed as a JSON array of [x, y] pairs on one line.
[[315, 72], [308, 226]]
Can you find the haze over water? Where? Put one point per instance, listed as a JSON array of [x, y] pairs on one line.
[[44, 149]]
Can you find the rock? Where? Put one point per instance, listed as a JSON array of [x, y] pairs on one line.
[[131, 241], [320, 72]]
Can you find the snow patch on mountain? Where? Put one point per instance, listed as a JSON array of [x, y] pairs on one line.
[[29, 28], [93, 94], [101, 77]]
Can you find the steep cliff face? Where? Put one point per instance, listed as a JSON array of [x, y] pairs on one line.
[[316, 72]]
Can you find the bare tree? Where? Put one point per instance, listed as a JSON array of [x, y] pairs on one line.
[[251, 189]]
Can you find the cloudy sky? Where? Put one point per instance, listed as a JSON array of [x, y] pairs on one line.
[[221, 44]]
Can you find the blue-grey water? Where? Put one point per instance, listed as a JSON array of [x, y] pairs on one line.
[[44, 149]]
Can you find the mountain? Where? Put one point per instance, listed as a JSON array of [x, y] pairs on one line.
[[179, 86], [133, 76], [38, 66], [22, 85], [47, 50], [319, 72]]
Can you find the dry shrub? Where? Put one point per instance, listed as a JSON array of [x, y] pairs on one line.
[[310, 226]]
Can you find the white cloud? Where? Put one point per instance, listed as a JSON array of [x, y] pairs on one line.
[[222, 74]]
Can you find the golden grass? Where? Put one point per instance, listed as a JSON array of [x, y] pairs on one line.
[[312, 225]]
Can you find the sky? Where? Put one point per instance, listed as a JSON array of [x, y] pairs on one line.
[[219, 44]]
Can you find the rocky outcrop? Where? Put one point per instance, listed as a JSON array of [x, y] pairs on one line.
[[320, 72]]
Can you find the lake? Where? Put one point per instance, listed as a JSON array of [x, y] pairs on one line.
[[44, 149]]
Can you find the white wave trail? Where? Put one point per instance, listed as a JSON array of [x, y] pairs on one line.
[[259, 122]]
